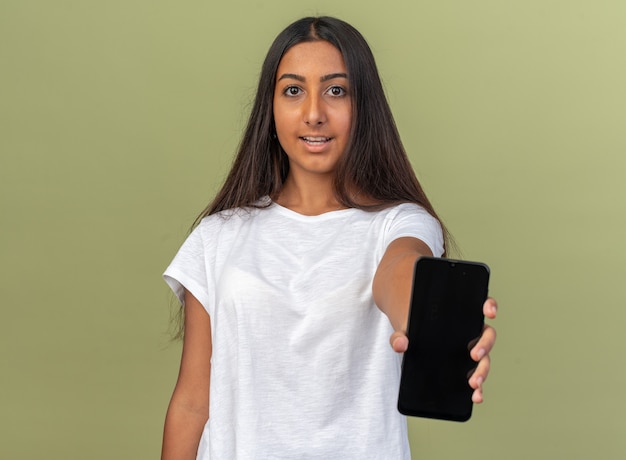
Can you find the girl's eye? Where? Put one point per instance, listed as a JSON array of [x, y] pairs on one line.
[[292, 91], [337, 91]]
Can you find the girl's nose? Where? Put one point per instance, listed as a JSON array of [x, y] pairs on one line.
[[314, 113]]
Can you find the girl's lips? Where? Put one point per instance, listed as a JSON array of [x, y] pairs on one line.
[[316, 144]]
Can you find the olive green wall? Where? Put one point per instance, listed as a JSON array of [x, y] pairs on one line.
[[118, 119]]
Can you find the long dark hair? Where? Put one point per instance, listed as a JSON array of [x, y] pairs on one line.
[[373, 173]]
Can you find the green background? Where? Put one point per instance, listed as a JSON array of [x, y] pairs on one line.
[[118, 120]]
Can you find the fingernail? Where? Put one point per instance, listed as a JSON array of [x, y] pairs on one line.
[[480, 353]]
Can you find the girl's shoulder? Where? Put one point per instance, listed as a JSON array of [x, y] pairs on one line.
[[233, 216], [404, 210]]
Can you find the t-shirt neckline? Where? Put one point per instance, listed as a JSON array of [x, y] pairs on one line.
[[324, 216]]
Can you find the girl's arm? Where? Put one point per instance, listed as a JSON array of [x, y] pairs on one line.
[[392, 293], [188, 410]]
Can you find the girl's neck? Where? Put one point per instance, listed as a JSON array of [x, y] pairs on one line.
[[310, 197]]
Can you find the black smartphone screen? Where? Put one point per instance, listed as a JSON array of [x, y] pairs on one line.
[[446, 315]]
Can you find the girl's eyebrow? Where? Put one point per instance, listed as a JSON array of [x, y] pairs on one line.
[[332, 76], [322, 78]]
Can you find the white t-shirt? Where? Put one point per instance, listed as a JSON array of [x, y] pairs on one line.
[[301, 365]]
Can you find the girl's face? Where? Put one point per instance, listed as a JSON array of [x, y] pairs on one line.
[[312, 107]]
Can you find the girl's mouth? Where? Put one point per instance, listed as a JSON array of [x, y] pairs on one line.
[[315, 140]]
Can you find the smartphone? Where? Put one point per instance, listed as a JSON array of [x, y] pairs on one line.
[[445, 317]]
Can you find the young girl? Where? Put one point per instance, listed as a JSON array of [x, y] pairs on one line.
[[298, 274]]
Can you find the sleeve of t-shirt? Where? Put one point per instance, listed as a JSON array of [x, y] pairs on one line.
[[188, 269], [414, 221]]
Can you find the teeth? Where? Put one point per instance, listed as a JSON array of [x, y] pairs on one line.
[[316, 139]]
